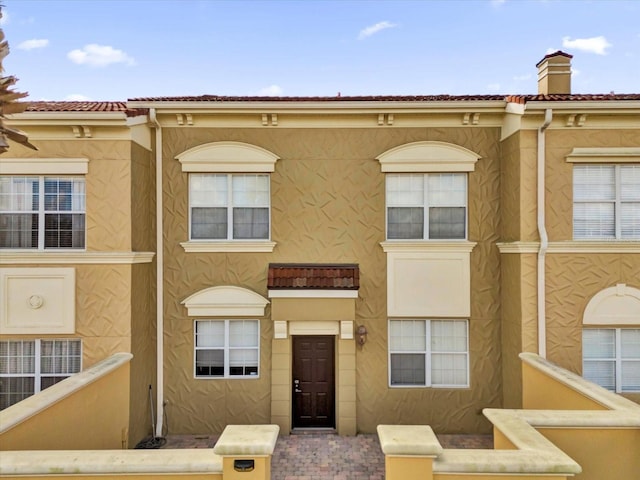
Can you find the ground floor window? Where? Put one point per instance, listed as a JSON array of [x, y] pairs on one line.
[[611, 358], [429, 353], [227, 348], [29, 366]]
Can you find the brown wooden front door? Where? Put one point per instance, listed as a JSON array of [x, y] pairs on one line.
[[313, 381]]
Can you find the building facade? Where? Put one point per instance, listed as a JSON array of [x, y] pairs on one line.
[[332, 263]]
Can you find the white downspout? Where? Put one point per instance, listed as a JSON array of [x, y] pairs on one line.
[[159, 279], [544, 239]]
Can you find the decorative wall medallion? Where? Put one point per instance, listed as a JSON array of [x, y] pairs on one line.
[[35, 301]]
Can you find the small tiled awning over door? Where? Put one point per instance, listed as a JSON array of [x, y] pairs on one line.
[[313, 276]]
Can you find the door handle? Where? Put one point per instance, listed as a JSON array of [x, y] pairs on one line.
[[297, 390]]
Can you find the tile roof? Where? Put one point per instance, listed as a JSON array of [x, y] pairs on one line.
[[131, 112], [77, 107], [317, 276]]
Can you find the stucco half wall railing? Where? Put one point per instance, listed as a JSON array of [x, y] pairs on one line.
[[569, 427]]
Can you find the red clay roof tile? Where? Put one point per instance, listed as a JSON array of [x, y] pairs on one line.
[[316, 276]]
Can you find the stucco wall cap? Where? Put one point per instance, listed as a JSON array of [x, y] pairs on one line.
[[110, 462], [418, 440], [590, 390], [258, 440]]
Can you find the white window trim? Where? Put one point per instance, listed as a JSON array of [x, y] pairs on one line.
[[428, 355], [229, 241], [617, 360], [604, 155], [428, 156], [44, 166], [42, 212], [227, 157], [617, 202], [425, 214], [226, 349]]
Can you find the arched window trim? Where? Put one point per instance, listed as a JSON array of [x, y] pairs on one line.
[[428, 156], [619, 305]]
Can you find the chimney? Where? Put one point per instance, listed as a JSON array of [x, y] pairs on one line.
[[554, 74]]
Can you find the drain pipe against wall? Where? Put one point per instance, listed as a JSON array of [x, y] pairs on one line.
[[544, 239], [159, 277]]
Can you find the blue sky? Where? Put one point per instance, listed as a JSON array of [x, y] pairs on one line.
[[119, 49]]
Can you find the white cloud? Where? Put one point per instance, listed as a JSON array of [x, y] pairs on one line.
[[575, 72], [96, 55], [77, 97], [551, 50], [597, 45], [494, 87], [497, 3], [373, 29], [271, 91], [33, 43], [522, 78], [5, 18]]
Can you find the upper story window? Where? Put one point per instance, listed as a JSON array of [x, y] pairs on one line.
[[429, 206], [229, 206], [606, 201], [30, 366], [42, 212]]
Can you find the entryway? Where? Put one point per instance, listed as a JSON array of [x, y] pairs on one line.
[[313, 392]]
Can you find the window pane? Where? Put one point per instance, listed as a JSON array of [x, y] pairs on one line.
[[208, 223], [209, 363], [210, 333], [630, 220], [405, 190], [243, 362], [207, 190], [15, 389], [62, 357], [64, 230], [18, 230], [601, 372], [448, 336], [407, 336], [594, 220], [243, 333], [448, 369], [250, 190], [447, 189], [250, 223], [598, 343], [447, 223], [630, 183], [405, 223], [407, 369], [630, 370], [594, 182], [630, 343]]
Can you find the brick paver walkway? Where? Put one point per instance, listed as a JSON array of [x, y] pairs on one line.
[[328, 457]]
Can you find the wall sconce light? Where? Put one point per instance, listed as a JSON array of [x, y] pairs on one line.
[[361, 335]]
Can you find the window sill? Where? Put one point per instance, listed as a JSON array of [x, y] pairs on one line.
[[48, 257], [229, 246], [460, 246]]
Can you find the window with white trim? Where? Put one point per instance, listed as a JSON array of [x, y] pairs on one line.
[[430, 206], [41, 212], [606, 202], [229, 206], [30, 366], [428, 353], [611, 358], [227, 348]]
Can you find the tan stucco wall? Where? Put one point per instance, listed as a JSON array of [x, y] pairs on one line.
[[328, 206], [601, 452], [93, 418]]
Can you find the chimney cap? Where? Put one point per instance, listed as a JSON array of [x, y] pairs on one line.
[[558, 53]]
